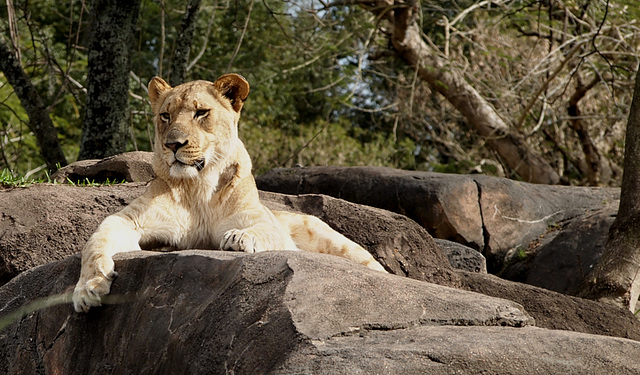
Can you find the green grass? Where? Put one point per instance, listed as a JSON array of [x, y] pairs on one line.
[[9, 180], [86, 182]]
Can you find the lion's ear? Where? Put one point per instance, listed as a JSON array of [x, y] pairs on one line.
[[157, 86], [233, 87]]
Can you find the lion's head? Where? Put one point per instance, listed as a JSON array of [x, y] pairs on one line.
[[196, 123]]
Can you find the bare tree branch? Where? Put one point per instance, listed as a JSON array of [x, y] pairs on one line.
[[244, 30], [594, 163], [545, 85], [444, 78]]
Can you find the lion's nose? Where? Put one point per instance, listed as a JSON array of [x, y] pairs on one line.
[[176, 139], [174, 146]]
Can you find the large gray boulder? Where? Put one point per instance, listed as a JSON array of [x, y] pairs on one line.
[[133, 166], [295, 312], [46, 222], [466, 350], [561, 259], [208, 312], [496, 216], [446, 204]]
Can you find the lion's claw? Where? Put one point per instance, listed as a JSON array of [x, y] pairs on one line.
[[239, 240], [88, 294]]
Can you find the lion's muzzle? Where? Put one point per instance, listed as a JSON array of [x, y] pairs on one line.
[[176, 139]]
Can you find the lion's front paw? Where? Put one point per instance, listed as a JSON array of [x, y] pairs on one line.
[[87, 293], [240, 240]]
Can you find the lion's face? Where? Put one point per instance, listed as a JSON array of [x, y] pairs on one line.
[[196, 122]]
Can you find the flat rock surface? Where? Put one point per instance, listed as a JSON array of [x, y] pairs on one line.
[[467, 350], [282, 312], [215, 312]]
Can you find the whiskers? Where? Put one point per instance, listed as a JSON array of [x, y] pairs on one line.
[[199, 164]]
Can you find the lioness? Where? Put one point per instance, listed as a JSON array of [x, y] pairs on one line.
[[204, 195]]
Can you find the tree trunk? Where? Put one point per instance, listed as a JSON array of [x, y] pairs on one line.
[[615, 278], [448, 81], [594, 167], [183, 43], [106, 118], [39, 121]]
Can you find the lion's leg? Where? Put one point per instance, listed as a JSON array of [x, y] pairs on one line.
[[114, 235], [312, 234]]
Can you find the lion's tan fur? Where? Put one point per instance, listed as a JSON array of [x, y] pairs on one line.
[[204, 195]]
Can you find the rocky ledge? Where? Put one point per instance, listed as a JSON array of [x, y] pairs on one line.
[[197, 312], [298, 313]]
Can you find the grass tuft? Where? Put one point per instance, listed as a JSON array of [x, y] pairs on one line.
[[9, 180]]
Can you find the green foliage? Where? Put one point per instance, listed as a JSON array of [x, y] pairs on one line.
[[462, 166], [303, 79], [46, 41], [322, 143], [521, 254], [326, 88]]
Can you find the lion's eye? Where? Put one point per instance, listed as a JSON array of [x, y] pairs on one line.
[[201, 113], [165, 116]]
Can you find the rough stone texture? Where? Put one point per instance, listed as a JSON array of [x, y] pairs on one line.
[[401, 245], [557, 311], [467, 350], [516, 213], [130, 167], [462, 257], [561, 259], [300, 313], [494, 215], [447, 205], [46, 222], [285, 313]]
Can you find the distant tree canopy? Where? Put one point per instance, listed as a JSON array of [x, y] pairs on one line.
[[339, 83]]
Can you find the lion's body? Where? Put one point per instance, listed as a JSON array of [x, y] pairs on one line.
[[204, 195]]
